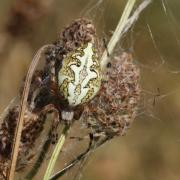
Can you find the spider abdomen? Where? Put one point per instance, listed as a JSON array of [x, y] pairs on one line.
[[79, 78]]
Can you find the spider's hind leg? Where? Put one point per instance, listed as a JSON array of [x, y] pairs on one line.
[[51, 109]]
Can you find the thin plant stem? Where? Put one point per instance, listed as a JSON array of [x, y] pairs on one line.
[[117, 33], [41, 157], [56, 152], [131, 20], [19, 127]]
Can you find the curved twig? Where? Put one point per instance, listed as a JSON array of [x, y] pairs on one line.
[[18, 131]]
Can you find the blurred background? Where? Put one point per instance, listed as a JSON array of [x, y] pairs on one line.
[[151, 148]]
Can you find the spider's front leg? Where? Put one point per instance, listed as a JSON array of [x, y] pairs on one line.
[[77, 160], [51, 137], [51, 109]]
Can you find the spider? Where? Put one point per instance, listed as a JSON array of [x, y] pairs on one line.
[[72, 73], [71, 76]]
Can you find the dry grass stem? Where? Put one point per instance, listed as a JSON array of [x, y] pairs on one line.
[[123, 26], [19, 127]]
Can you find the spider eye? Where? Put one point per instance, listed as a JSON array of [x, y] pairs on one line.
[[79, 79]]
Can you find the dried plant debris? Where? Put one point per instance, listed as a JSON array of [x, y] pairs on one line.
[[108, 114], [33, 124], [81, 31], [113, 110]]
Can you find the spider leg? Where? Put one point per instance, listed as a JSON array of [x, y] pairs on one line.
[[50, 108], [92, 146], [79, 158], [106, 47]]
